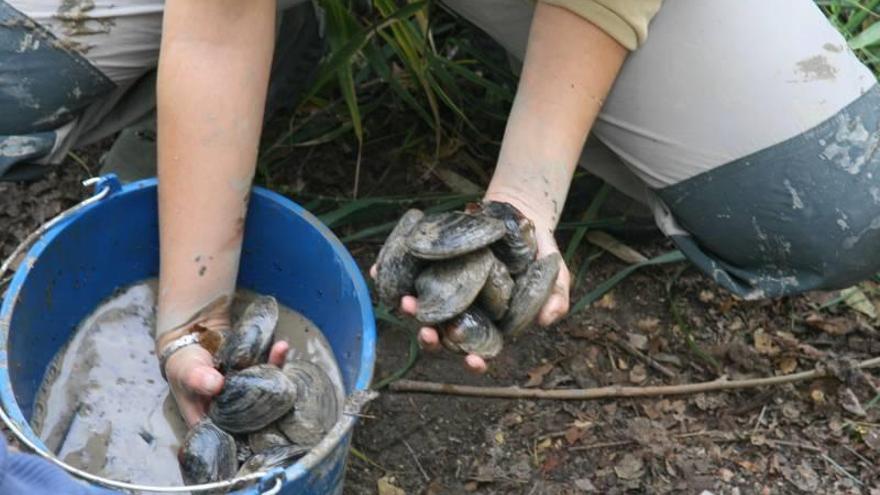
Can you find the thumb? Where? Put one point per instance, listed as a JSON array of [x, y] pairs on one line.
[[558, 303], [203, 380]]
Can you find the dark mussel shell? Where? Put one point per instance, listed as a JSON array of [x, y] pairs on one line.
[[278, 456], [472, 332], [269, 436], [495, 295], [316, 409], [447, 235], [448, 287], [518, 247], [208, 454], [247, 343], [252, 399], [396, 267], [531, 291]]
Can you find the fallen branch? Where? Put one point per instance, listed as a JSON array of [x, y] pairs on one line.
[[611, 391]]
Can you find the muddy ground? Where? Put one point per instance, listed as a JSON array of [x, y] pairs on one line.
[[811, 437]]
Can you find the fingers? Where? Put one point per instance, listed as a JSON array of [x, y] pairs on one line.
[[203, 380], [374, 271], [409, 305], [429, 340], [557, 304], [475, 364], [278, 352]]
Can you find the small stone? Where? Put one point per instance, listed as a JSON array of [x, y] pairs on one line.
[[706, 296]]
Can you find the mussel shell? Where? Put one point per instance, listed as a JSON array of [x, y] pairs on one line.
[[207, 454], [396, 267], [447, 235], [472, 332], [531, 291], [316, 409], [252, 399], [495, 295], [278, 456], [247, 343], [448, 287], [269, 436], [518, 247]]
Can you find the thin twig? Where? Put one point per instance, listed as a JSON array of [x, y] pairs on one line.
[[515, 392], [416, 458], [841, 468], [626, 346]]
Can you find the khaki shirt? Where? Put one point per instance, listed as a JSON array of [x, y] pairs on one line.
[[624, 20]]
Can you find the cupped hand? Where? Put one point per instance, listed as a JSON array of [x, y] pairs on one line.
[[555, 308], [193, 379]]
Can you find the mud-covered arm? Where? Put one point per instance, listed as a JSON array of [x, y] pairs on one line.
[[212, 82], [569, 68]]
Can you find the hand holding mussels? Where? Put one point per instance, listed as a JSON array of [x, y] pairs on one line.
[[474, 272], [265, 416]]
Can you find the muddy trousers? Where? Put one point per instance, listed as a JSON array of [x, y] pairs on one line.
[[60, 90], [752, 132]]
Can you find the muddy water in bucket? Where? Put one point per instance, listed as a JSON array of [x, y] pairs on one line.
[[103, 405]]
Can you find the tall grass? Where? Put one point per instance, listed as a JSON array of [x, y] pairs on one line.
[[859, 21]]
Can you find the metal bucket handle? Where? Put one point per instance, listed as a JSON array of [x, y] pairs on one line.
[[269, 483]]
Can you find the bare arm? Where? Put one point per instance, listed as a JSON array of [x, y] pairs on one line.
[[569, 68], [213, 76]]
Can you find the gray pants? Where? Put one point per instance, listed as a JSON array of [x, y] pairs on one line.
[[73, 73], [751, 130]]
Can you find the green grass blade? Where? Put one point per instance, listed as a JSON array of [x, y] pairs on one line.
[[866, 38], [590, 214], [604, 287]]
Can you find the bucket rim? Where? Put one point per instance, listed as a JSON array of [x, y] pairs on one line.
[[11, 413]]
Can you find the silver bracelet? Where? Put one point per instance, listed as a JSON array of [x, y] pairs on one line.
[[174, 346]]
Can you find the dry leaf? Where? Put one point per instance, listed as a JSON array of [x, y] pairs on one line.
[[831, 326], [850, 402], [856, 299], [386, 486], [629, 467], [638, 341], [574, 434], [706, 296], [648, 324], [787, 364], [537, 374], [615, 247], [638, 374], [764, 343], [872, 439], [607, 301], [585, 485]]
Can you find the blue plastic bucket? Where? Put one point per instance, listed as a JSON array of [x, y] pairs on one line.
[[114, 242]]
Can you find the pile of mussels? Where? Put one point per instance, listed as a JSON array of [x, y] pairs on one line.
[[265, 416], [474, 273]]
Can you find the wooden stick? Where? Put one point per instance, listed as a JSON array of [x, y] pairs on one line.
[[611, 391]]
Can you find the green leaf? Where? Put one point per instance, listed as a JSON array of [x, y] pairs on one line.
[[866, 38]]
